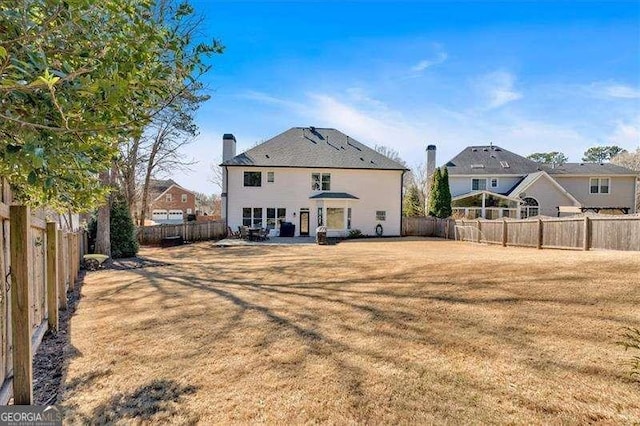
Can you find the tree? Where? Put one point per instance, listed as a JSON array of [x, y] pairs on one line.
[[123, 230], [78, 78], [553, 157], [440, 197], [600, 154], [434, 196], [412, 204]]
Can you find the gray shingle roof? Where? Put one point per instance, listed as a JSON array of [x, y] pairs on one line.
[[334, 195], [490, 160], [314, 147], [587, 169]]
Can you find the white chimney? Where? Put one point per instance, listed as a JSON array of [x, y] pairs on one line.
[[228, 152], [431, 168]]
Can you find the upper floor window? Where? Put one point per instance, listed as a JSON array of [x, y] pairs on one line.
[[494, 182], [381, 215], [184, 198], [252, 178], [478, 184], [320, 181], [270, 177], [168, 197], [599, 185]]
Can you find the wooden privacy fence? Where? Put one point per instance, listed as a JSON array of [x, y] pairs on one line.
[[574, 233], [153, 235], [428, 227], [39, 264]]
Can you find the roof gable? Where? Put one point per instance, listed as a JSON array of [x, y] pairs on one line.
[[312, 147], [490, 160]]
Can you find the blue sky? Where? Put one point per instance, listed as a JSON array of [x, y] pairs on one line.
[[528, 76]]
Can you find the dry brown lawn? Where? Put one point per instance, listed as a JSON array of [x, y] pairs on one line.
[[374, 331]]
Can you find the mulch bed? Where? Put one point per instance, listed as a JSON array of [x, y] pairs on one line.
[[49, 361]]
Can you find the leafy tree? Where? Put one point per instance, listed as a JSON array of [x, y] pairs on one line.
[[77, 79], [412, 204], [553, 157], [599, 154], [440, 197]]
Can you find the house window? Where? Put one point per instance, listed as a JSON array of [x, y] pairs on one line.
[[335, 218], [271, 217], [184, 198], [282, 215], [381, 215], [168, 198], [599, 185], [320, 221], [252, 217], [349, 218], [189, 211], [494, 182], [320, 181], [478, 184], [270, 177], [252, 178], [530, 208]]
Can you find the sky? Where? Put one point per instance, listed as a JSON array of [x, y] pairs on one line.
[[527, 76]]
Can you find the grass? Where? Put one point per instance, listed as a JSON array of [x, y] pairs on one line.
[[369, 331]]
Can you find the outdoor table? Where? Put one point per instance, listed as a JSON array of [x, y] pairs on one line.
[[253, 233]]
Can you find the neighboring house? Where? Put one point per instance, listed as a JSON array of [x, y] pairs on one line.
[[169, 202], [312, 177], [491, 182]]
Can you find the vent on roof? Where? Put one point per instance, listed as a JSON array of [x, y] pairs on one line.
[[266, 155], [477, 166], [485, 149], [361, 159], [474, 149], [504, 164], [497, 149], [493, 156]]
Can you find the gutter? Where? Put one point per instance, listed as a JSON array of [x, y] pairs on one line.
[[226, 195], [401, 190]]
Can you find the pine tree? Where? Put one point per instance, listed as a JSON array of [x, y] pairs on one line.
[[413, 207], [445, 195], [123, 231], [434, 195]]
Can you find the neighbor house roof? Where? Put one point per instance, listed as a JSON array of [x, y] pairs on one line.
[[490, 160], [314, 147], [157, 186], [587, 169]]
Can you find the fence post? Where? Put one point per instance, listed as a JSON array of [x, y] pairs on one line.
[[70, 260], [62, 279], [479, 230], [20, 237], [52, 276], [504, 232], [540, 235], [587, 234]]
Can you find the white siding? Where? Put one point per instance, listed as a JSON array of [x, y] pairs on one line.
[[291, 189]]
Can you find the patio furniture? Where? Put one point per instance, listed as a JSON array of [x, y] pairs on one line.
[[254, 234], [321, 235], [263, 235], [244, 232], [231, 234]]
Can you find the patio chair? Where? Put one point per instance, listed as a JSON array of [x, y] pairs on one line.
[[244, 232], [231, 234], [263, 235]]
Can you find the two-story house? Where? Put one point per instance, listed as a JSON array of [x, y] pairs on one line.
[[312, 177], [491, 182], [170, 203]]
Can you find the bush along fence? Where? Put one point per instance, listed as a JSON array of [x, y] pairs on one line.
[[39, 264], [574, 233], [153, 235], [428, 227]]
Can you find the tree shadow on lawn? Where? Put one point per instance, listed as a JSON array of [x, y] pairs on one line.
[[159, 401]]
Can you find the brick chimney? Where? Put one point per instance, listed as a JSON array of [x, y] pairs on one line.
[[430, 169], [228, 152]]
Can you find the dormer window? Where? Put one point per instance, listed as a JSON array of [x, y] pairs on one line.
[[477, 166], [504, 164]]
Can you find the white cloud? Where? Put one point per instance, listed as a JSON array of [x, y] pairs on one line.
[[497, 88], [426, 63], [613, 90], [626, 135]]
